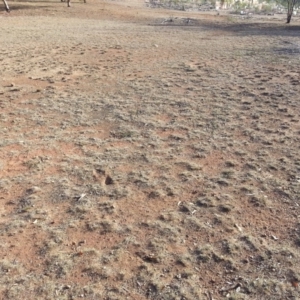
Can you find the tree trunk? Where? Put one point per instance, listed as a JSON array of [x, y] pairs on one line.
[[6, 5], [290, 9]]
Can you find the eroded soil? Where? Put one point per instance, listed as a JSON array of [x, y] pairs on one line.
[[148, 154]]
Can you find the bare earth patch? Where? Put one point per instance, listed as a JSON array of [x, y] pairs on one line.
[[144, 156]]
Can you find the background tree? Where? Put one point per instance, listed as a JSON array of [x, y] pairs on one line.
[[290, 5]]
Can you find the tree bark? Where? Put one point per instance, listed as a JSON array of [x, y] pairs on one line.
[[290, 9], [6, 6]]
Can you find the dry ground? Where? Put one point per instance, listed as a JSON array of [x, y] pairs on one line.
[[148, 159]]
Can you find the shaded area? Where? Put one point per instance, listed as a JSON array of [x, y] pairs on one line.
[[242, 29], [19, 6], [287, 51]]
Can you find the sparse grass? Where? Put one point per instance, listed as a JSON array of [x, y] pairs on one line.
[[206, 202], [103, 227], [149, 162]]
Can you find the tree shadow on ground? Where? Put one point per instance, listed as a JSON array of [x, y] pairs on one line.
[[240, 29], [259, 28], [16, 7]]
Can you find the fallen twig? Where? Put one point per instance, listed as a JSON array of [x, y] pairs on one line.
[[230, 288]]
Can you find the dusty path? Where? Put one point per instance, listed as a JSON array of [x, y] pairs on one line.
[[147, 159]]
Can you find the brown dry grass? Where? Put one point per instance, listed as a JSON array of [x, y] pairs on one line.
[[142, 159]]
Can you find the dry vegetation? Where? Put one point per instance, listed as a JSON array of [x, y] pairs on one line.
[[147, 159]]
